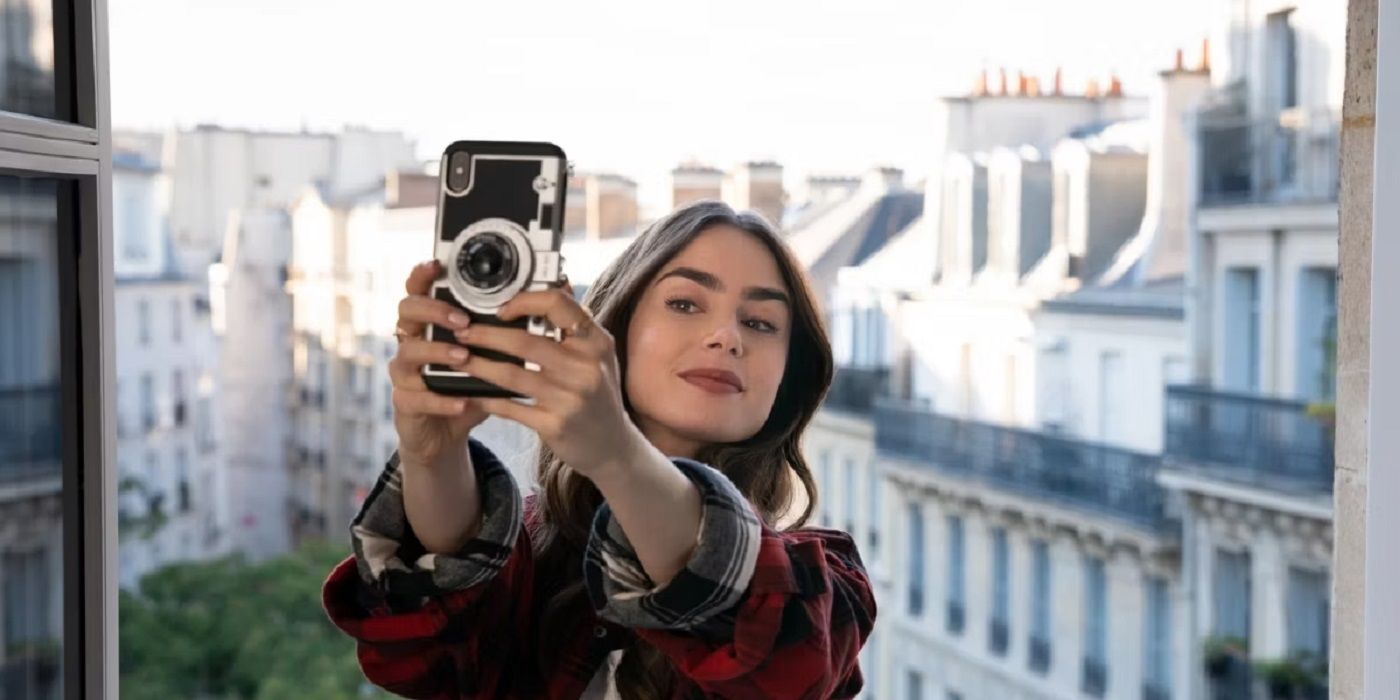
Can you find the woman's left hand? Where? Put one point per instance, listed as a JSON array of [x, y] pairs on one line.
[[578, 408]]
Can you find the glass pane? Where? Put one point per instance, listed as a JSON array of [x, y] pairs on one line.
[[31, 538], [26, 58]]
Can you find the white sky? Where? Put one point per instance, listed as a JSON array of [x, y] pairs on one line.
[[633, 87]]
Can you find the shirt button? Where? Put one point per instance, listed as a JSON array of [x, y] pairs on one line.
[[600, 631]]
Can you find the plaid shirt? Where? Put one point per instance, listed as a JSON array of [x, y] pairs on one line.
[[756, 613]]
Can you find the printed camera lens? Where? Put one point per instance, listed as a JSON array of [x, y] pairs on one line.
[[487, 261]]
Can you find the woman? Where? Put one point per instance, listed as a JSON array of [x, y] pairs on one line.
[[651, 562]]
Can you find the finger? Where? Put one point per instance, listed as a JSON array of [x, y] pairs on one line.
[[511, 376], [420, 278], [416, 403], [416, 312], [545, 352], [415, 352], [556, 305]]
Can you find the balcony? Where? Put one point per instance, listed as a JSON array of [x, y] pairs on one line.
[[1040, 655], [1290, 157], [999, 637], [1248, 438], [30, 432], [1106, 480], [854, 389], [1095, 678], [957, 617], [1155, 691]]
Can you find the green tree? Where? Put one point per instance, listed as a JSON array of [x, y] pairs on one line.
[[232, 630]]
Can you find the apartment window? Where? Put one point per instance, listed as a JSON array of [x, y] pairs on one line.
[[1308, 612], [27, 603], [874, 492], [870, 667], [1113, 409], [1157, 641], [1232, 595], [1317, 333], [849, 496], [1095, 676], [127, 208], [913, 685], [827, 489], [177, 395], [204, 425], [916, 560], [1241, 329], [148, 401], [999, 633], [143, 321], [182, 483], [956, 575], [1040, 607], [177, 321]]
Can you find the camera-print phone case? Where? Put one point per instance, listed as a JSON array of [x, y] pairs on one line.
[[499, 227]]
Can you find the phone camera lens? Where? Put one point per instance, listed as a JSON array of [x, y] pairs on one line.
[[459, 171], [487, 261]]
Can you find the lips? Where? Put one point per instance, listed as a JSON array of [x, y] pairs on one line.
[[716, 381]]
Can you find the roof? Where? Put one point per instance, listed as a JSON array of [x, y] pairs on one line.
[[1165, 298]]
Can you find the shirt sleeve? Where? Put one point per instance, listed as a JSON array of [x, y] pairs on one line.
[[756, 612], [430, 625]]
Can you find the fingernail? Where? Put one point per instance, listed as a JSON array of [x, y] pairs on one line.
[[457, 354], [458, 320]]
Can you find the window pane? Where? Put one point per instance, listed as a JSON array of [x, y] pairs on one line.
[[31, 547], [26, 58]]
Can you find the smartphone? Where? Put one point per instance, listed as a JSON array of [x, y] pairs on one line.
[[500, 222]]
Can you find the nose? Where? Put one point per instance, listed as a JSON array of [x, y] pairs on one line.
[[726, 337]]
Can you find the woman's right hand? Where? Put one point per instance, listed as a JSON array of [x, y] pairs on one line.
[[431, 427]]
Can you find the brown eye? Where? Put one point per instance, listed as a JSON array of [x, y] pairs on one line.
[[674, 302]]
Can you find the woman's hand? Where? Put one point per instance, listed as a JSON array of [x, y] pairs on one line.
[[578, 408], [431, 427]]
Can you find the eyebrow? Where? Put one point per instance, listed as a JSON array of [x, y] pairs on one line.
[[712, 283]]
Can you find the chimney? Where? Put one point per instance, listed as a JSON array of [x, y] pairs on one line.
[[691, 182], [1021, 83], [1115, 86], [1003, 80], [757, 186], [1167, 216], [1092, 89], [1033, 86], [1180, 64], [1204, 65], [612, 206], [1059, 81], [979, 87]]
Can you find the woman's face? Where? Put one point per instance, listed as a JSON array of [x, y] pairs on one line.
[[722, 305]]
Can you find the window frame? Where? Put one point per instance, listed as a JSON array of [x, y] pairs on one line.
[[77, 154]]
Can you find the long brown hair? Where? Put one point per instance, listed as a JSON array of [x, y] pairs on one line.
[[763, 466]]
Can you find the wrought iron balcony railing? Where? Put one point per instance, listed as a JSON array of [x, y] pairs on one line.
[[1287, 157], [1114, 482], [30, 431], [1249, 438]]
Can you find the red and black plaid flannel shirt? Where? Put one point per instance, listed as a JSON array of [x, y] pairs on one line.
[[757, 613]]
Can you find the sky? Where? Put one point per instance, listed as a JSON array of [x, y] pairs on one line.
[[632, 86]]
